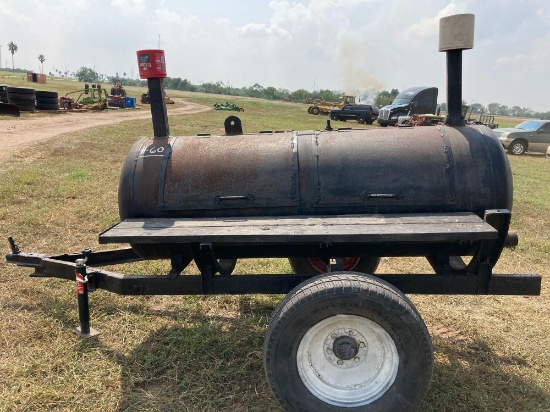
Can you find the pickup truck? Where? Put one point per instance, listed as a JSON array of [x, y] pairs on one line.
[[363, 113]]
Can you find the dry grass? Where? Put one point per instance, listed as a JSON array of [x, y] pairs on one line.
[[166, 353]]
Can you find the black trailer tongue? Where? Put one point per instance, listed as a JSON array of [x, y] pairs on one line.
[[9, 109]]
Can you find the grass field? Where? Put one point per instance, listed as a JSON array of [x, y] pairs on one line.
[[170, 353]]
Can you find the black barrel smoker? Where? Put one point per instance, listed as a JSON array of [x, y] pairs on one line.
[[333, 202]]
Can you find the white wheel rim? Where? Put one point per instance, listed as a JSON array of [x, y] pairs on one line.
[[336, 380]]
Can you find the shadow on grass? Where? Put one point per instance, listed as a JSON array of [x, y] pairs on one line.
[[206, 363], [473, 377], [214, 363]]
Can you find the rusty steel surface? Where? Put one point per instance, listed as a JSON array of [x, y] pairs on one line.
[[396, 170], [436, 169]]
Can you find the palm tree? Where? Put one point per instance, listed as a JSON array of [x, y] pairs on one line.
[[41, 59], [12, 47]]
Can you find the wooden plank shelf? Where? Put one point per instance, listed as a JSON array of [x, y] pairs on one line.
[[376, 228]]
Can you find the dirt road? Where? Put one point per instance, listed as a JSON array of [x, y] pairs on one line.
[[17, 133]]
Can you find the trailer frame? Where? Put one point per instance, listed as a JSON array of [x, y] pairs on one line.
[[328, 237]]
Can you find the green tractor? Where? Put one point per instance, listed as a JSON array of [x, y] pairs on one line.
[[228, 106], [93, 95]]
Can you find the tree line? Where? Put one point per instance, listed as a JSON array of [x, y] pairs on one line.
[[382, 98]]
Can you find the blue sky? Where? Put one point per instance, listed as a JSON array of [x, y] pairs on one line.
[[358, 46]]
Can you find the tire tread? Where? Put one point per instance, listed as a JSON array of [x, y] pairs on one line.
[[336, 283]]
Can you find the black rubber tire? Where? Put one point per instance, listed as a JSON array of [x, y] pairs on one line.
[[315, 110], [361, 119], [20, 90], [46, 100], [25, 108], [227, 266], [335, 298], [162, 251], [456, 265], [334, 116], [21, 97], [303, 266], [309, 109], [45, 106], [370, 122], [517, 148], [45, 94], [22, 102], [241, 110]]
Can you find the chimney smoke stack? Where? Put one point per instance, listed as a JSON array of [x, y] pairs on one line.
[[456, 33]]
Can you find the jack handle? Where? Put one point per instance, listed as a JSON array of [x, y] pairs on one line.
[[14, 248]]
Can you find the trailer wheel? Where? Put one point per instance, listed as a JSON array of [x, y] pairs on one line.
[[315, 110], [347, 341], [316, 266]]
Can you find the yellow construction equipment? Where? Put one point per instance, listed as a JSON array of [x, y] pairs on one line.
[[324, 107]]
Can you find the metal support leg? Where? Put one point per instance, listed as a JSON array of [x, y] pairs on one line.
[[207, 280], [178, 265], [336, 265], [207, 263], [84, 329]]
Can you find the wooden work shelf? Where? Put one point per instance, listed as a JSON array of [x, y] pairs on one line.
[[376, 228]]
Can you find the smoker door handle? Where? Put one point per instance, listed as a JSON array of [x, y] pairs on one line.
[[367, 196], [249, 198]]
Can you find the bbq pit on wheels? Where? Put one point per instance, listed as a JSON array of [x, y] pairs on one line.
[[333, 202]]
